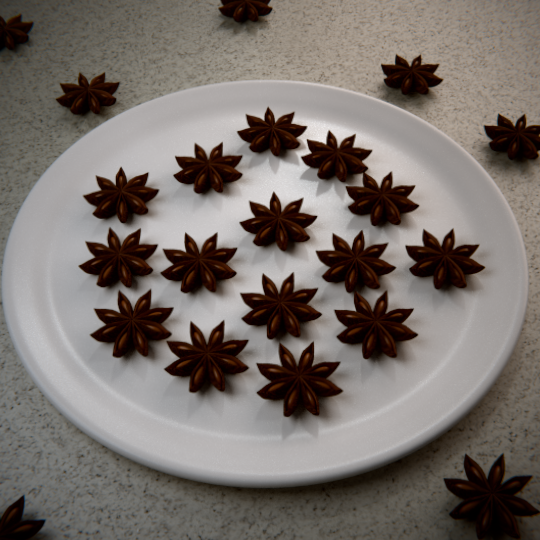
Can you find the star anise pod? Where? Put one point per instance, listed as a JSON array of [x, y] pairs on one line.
[[267, 133], [356, 266], [84, 96], [518, 141], [384, 203], [123, 198], [488, 501], [193, 267], [282, 310], [207, 361], [242, 10], [132, 328], [14, 31], [416, 78], [298, 385], [119, 261], [274, 225], [333, 160], [375, 329], [12, 526], [208, 172], [444, 263]]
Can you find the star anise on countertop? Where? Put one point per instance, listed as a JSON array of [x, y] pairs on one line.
[[12, 526], [132, 328], [80, 98], [121, 198], [333, 160], [274, 225], [195, 268], [299, 384], [488, 501], [119, 261], [384, 203], [444, 263], [356, 266], [207, 361], [375, 329], [242, 10], [281, 310], [518, 141], [417, 77], [267, 133], [208, 172], [14, 31]]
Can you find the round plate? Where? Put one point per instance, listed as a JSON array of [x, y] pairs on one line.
[[388, 408]]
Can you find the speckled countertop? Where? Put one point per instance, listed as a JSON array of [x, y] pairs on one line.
[[488, 56]]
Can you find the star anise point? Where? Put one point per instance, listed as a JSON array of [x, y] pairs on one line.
[[242, 10], [518, 141], [85, 96], [416, 77], [13, 527], [14, 31]]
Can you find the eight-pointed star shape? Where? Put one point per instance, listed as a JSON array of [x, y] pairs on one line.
[[416, 78], [12, 525], [242, 10], [14, 31], [80, 98], [518, 141]]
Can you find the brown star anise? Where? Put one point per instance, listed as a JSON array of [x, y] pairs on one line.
[[119, 261], [14, 31], [242, 10], [416, 78], [333, 160], [123, 198], [83, 96], [518, 141], [488, 501], [194, 268], [267, 133], [207, 362], [132, 328], [208, 172], [274, 225], [356, 266], [282, 310], [12, 527], [375, 329], [384, 203], [445, 264], [298, 385]]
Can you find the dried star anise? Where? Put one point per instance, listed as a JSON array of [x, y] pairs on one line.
[[267, 133], [333, 160], [488, 501], [208, 172], [298, 385], [242, 10], [375, 329], [12, 527], [384, 203], [518, 141], [119, 261], [282, 310], [416, 78], [445, 264], [207, 362], [14, 31], [356, 266], [122, 198], [194, 268], [274, 225], [132, 328], [84, 96]]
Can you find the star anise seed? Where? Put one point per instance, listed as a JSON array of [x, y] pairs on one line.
[[80, 98], [333, 160], [444, 263], [298, 385], [274, 225], [282, 310], [416, 78], [375, 329], [14, 31], [242, 10], [132, 328], [518, 141], [204, 361], [488, 501], [12, 526]]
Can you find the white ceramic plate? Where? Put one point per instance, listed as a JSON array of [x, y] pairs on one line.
[[388, 408]]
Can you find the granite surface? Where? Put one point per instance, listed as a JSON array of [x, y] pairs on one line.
[[488, 56]]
